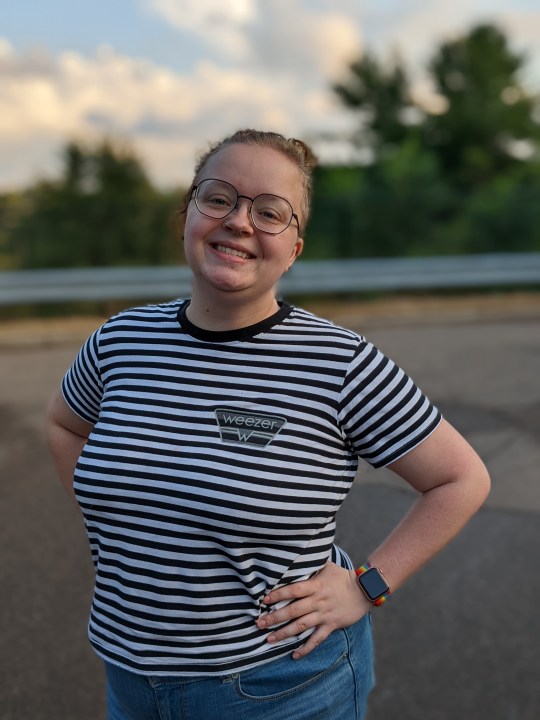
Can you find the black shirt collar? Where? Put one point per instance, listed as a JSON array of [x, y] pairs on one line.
[[221, 336]]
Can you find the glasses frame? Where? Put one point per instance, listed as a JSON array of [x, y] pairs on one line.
[[194, 192]]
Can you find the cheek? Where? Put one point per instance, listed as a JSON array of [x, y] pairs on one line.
[[191, 222], [196, 226], [193, 232]]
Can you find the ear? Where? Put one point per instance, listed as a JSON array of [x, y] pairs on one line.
[[297, 251]]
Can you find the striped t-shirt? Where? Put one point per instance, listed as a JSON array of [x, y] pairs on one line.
[[214, 471]]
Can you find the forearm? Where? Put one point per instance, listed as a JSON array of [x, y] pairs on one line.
[[66, 447], [67, 434], [433, 521]]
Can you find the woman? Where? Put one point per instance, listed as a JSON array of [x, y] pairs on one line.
[[212, 441]]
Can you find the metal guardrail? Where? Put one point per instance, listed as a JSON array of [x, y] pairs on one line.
[[117, 283], [459, 271], [305, 277]]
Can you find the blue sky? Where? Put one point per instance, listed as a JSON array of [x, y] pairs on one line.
[[170, 75]]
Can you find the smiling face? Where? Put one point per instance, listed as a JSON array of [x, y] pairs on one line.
[[230, 256]]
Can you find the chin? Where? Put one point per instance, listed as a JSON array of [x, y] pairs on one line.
[[226, 284]]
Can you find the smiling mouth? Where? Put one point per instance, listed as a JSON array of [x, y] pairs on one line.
[[232, 251]]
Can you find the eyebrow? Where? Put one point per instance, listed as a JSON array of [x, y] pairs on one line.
[[247, 197]]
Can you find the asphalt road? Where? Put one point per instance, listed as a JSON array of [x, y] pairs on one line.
[[459, 641]]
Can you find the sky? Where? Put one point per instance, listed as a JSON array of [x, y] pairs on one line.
[[170, 76]]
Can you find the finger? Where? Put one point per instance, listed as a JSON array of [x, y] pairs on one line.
[[297, 627], [284, 614], [311, 643], [294, 591]]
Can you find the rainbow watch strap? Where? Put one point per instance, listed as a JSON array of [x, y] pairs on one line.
[[362, 569]]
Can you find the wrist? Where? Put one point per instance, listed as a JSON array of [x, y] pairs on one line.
[[373, 584]]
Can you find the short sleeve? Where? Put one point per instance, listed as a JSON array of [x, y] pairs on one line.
[[82, 386], [382, 413]]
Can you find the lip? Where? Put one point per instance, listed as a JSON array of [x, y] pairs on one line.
[[232, 255]]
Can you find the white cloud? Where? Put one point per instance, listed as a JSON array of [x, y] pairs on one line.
[[524, 29], [197, 15], [428, 24], [79, 94], [220, 24], [335, 41], [168, 116], [6, 51], [272, 36], [266, 64], [74, 96]]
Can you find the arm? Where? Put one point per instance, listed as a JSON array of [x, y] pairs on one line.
[[453, 483], [67, 434]]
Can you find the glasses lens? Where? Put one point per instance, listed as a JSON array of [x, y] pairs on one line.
[[271, 213], [215, 198]]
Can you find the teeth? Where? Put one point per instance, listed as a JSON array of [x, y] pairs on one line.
[[230, 251]]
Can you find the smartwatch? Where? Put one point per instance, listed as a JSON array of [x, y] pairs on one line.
[[373, 584]]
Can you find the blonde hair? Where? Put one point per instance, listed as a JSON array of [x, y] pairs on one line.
[[296, 150]]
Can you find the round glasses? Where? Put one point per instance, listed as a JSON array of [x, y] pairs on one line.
[[217, 199]]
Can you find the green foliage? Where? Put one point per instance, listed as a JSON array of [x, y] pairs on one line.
[[13, 207], [103, 211], [453, 182], [382, 96], [488, 110], [394, 207], [504, 215]]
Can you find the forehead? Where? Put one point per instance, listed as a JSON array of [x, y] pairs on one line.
[[254, 170]]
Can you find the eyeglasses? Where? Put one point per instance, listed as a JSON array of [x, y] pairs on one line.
[[217, 199]]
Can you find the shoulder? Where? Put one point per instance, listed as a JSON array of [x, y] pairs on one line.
[[306, 322], [143, 316]]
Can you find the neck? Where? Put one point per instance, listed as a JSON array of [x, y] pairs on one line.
[[230, 313]]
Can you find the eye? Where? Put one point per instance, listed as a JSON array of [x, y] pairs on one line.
[[215, 195], [271, 209], [218, 200], [268, 214]]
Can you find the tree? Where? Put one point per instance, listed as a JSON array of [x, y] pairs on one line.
[[488, 110], [490, 123], [103, 211], [393, 207], [382, 97], [13, 206], [504, 215], [464, 180]]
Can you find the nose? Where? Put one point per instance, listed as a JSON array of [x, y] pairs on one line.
[[239, 219]]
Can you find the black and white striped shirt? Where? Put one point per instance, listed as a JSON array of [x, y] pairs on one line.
[[216, 466]]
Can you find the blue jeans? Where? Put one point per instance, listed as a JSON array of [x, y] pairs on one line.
[[331, 683]]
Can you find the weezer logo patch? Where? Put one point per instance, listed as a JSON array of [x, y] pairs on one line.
[[248, 428]]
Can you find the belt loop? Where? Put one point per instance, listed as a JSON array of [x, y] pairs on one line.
[[229, 678]]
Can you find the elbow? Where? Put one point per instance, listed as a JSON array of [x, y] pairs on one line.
[[469, 487], [487, 483], [484, 485], [478, 486]]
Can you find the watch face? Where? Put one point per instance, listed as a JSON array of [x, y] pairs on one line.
[[373, 583]]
